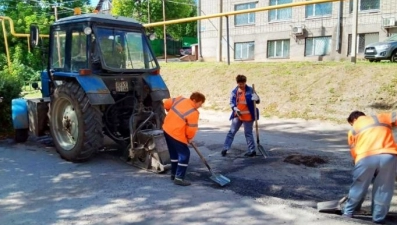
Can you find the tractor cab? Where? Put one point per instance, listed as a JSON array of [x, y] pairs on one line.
[[101, 43]]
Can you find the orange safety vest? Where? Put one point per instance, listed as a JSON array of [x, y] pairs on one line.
[[242, 106], [181, 122], [372, 135]]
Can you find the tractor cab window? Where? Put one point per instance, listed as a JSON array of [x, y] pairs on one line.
[[79, 51], [123, 50], [58, 50]]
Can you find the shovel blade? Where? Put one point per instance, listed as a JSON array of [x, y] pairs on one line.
[[332, 206], [220, 179], [263, 151], [329, 206]]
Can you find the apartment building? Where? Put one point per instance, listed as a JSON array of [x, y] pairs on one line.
[[314, 32]]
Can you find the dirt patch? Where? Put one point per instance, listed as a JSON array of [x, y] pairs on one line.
[[307, 160]]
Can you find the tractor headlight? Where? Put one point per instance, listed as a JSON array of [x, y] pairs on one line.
[[87, 30]]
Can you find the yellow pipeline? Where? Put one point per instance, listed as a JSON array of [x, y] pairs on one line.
[[13, 30], [6, 44], [183, 20], [2, 18]]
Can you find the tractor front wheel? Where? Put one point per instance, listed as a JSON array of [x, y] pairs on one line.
[[75, 125]]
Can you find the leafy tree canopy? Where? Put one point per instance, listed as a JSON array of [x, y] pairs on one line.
[[147, 11], [22, 14]]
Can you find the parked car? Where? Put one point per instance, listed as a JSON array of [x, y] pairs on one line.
[[385, 50], [185, 51]]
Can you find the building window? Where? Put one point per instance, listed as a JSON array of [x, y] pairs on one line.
[[318, 46], [244, 50], [278, 49], [316, 10], [364, 5], [244, 19], [280, 14], [362, 41]]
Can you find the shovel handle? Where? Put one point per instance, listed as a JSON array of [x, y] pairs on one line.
[[201, 156], [255, 114]]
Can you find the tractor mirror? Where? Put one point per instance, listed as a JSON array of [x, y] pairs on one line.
[[34, 35], [35, 85]]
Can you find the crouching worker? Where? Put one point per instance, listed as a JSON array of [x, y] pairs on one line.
[[374, 151], [180, 127]]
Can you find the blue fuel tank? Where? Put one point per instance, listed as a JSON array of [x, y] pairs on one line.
[[19, 108]]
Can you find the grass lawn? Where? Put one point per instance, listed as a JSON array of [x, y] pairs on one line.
[[308, 90]]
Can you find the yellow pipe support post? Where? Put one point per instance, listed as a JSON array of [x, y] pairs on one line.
[[28, 44], [190, 19], [6, 43]]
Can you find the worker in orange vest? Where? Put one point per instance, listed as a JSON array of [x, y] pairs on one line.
[[242, 104], [374, 151], [180, 127]]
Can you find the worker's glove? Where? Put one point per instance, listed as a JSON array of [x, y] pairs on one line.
[[190, 141], [237, 111], [254, 97]]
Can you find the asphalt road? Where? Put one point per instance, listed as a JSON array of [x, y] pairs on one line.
[[38, 187]]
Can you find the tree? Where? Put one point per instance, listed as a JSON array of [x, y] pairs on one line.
[[174, 9], [25, 64], [25, 12]]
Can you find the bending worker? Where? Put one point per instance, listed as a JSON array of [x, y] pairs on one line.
[[242, 103], [374, 151], [180, 127]]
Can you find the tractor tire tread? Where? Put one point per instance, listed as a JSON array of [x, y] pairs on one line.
[[92, 122]]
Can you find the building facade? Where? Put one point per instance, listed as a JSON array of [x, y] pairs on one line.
[[312, 32]]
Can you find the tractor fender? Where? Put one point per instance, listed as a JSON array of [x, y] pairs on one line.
[[158, 88], [96, 90], [19, 109]]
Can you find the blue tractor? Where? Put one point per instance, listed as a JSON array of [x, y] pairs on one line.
[[102, 80]]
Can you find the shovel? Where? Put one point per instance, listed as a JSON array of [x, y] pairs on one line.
[[259, 146], [217, 178], [331, 206]]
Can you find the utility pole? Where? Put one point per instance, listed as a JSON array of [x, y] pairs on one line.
[[165, 34], [220, 32], [354, 32], [58, 40], [55, 11], [148, 11], [199, 29]]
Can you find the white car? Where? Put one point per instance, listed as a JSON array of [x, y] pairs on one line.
[[185, 51]]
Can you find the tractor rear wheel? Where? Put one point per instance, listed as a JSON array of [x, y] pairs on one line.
[[75, 125]]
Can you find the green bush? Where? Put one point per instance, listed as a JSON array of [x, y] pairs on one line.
[[10, 88]]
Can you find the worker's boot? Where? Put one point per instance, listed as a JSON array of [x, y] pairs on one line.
[[181, 182], [250, 154], [172, 177]]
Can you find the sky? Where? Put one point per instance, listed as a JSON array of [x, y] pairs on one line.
[[94, 2]]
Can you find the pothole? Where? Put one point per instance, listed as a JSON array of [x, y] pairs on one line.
[[307, 160]]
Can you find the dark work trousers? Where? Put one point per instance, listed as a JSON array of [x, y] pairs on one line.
[[380, 170], [179, 155]]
